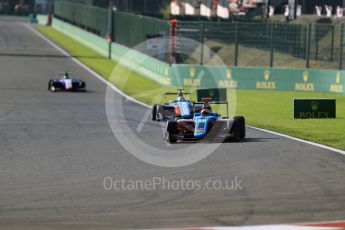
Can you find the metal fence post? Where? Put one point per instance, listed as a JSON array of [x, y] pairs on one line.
[[332, 44], [271, 44], [341, 46], [236, 45], [202, 39], [316, 42], [172, 29], [110, 27], [305, 42], [114, 35], [308, 47]]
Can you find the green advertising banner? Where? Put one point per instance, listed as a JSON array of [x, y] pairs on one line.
[[310, 80]]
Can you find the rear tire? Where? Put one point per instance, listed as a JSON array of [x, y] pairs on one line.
[[49, 84], [171, 132], [242, 126], [238, 129], [84, 89], [154, 112], [160, 113]]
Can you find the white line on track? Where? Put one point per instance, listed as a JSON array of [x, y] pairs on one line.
[[259, 227], [300, 140], [147, 106], [328, 225]]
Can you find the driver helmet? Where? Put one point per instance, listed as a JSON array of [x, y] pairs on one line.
[[66, 75], [207, 106], [181, 98], [205, 112]]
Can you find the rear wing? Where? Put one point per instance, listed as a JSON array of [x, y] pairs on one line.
[[178, 93], [61, 74]]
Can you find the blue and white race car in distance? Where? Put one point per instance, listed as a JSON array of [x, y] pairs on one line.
[[64, 82], [179, 108]]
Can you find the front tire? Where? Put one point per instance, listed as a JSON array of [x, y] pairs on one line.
[[171, 132]]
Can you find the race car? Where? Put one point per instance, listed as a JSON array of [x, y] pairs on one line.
[[64, 82], [206, 125], [176, 109]]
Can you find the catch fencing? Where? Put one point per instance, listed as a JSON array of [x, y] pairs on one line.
[[269, 44], [130, 29], [237, 43], [87, 17], [127, 29]]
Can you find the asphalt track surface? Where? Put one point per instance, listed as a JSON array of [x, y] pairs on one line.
[[57, 148]]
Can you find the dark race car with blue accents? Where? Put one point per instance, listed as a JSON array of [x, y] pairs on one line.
[[180, 108], [206, 125], [64, 82]]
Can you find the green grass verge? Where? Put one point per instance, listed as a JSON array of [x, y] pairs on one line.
[[265, 109], [274, 111]]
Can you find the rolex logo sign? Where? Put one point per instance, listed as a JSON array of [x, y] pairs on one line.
[[314, 105], [267, 75], [195, 82], [192, 72], [228, 74], [305, 76], [266, 84], [337, 87], [227, 82], [338, 78], [305, 85]]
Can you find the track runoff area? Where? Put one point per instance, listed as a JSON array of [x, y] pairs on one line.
[[57, 149]]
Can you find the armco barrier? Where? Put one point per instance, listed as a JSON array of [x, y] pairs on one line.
[[41, 19], [93, 41], [309, 80]]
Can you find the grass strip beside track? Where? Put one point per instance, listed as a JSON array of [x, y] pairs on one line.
[[265, 109]]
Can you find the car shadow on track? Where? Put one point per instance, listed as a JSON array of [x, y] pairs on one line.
[[245, 140], [45, 90], [256, 139], [75, 91]]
